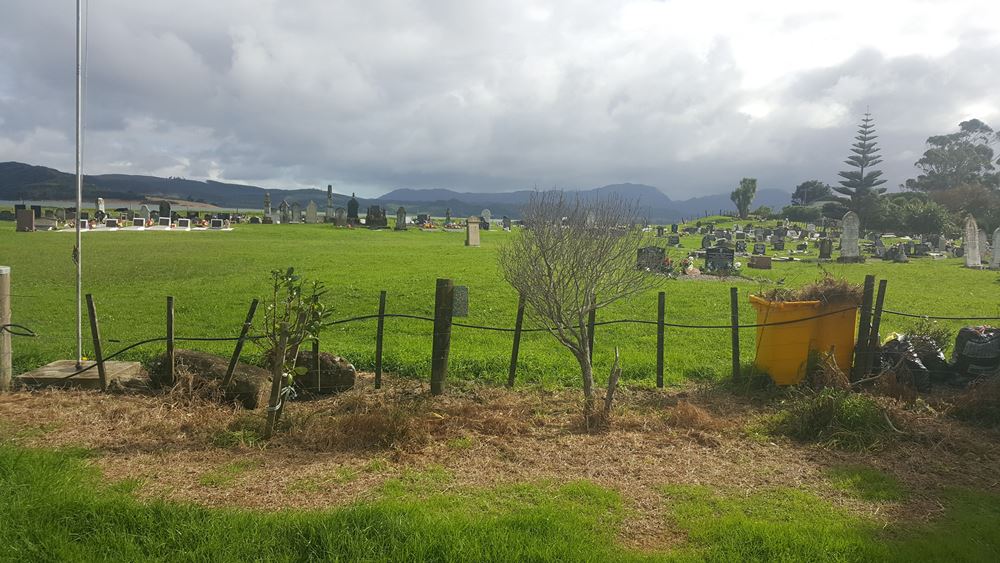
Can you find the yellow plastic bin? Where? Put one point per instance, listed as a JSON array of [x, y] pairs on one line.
[[783, 350], [836, 332]]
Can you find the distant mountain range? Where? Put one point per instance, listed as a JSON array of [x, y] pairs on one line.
[[20, 181]]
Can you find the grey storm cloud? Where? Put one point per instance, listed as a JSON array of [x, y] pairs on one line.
[[493, 95]]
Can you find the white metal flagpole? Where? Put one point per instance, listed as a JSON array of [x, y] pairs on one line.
[[78, 254]]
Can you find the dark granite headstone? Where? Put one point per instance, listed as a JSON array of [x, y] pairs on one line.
[[650, 257]]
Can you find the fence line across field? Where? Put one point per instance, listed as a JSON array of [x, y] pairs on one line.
[[871, 312]]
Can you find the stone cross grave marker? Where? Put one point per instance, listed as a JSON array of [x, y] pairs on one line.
[[972, 257], [850, 251], [472, 231]]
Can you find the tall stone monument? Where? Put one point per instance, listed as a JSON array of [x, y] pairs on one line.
[[995, 258], [352, 210], [329, 203], [971, 243], [400, 219], [472, 232], [447, 216], [850, 249]]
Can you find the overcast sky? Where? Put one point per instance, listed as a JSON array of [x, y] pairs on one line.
[[688, 96]]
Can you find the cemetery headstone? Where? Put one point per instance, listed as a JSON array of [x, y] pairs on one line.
[[255, 220], [400, 219], [650, 257], [673, 228], [423, 218], [267, 204], [217, 224], [659, 230], [506, 223], [328, 215], [296, 212], [483, 223], [759, 249], [719, 259], [375, 218], [184, 224], [741, 246], [164, 222], [37, 210], [802, 246], [995, 258], [973, 259], [674, 240], [164, 209], [144, 211], [138, 222], [486, 215], [447, 216], [312, 217], [760, 262], [111, 223], [778, 245], [879, 247], [472, 232], [99, 205], [850, 250], [340, 217], [352, 210], [25, 220], [285, 212], [825, 249], [706, 241]]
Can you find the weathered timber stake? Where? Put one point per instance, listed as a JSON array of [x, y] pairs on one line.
[[6, 366], [518, 323], [734, 313], [239, 344], [378, 339], [171, 362], [661, 307], [876, 323], [864, 330], [443, 305], [95, 331]]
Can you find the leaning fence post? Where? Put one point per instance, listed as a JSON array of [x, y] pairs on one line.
[[876, 323], [443, 306], [95, 331], [6, 366], [378, 339], [277, 379], [518, 323], [591, 323], [170, 340], [864, 329], [734, 313], [661, 307], [239, 345]]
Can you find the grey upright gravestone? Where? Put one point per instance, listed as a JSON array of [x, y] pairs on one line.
[[472, 232], [995, 259], [850, 250], [972, 257]]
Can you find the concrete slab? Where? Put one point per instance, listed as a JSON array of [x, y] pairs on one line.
[[54, 374]]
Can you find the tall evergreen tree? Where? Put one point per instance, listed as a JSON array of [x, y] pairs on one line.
[[861, 184]]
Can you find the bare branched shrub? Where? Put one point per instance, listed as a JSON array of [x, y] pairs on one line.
[[574, 256]]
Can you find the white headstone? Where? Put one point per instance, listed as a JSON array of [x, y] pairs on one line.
[[971, 242], [472, 232], [850, 251], [995, 260], [144, 211]]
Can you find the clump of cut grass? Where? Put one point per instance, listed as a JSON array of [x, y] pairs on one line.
[[226, 475], [866, 483], [828, 290], [691, 416], [979, 405], [836, 418]]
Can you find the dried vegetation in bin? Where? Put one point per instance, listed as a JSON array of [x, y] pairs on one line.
[[827, 290]]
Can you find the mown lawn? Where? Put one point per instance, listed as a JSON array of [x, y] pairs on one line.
[[214, 275], [56, 508]]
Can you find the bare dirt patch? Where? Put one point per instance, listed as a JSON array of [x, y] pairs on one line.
[[341, 449]]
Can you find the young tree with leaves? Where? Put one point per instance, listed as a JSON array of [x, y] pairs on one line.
[[861, 184], [811, 191], [743, 196]]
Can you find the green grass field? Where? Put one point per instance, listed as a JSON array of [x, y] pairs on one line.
[[214, 275], [56, 508]]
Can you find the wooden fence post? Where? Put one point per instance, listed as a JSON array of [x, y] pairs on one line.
[[518, 323], [277, 380], [864, 330], [734, 314], [378, 339], [443, 306], [239, 344], [591, 323], [6, 366], [171, 363], [873, 342], [660, 315], [95, 331]]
